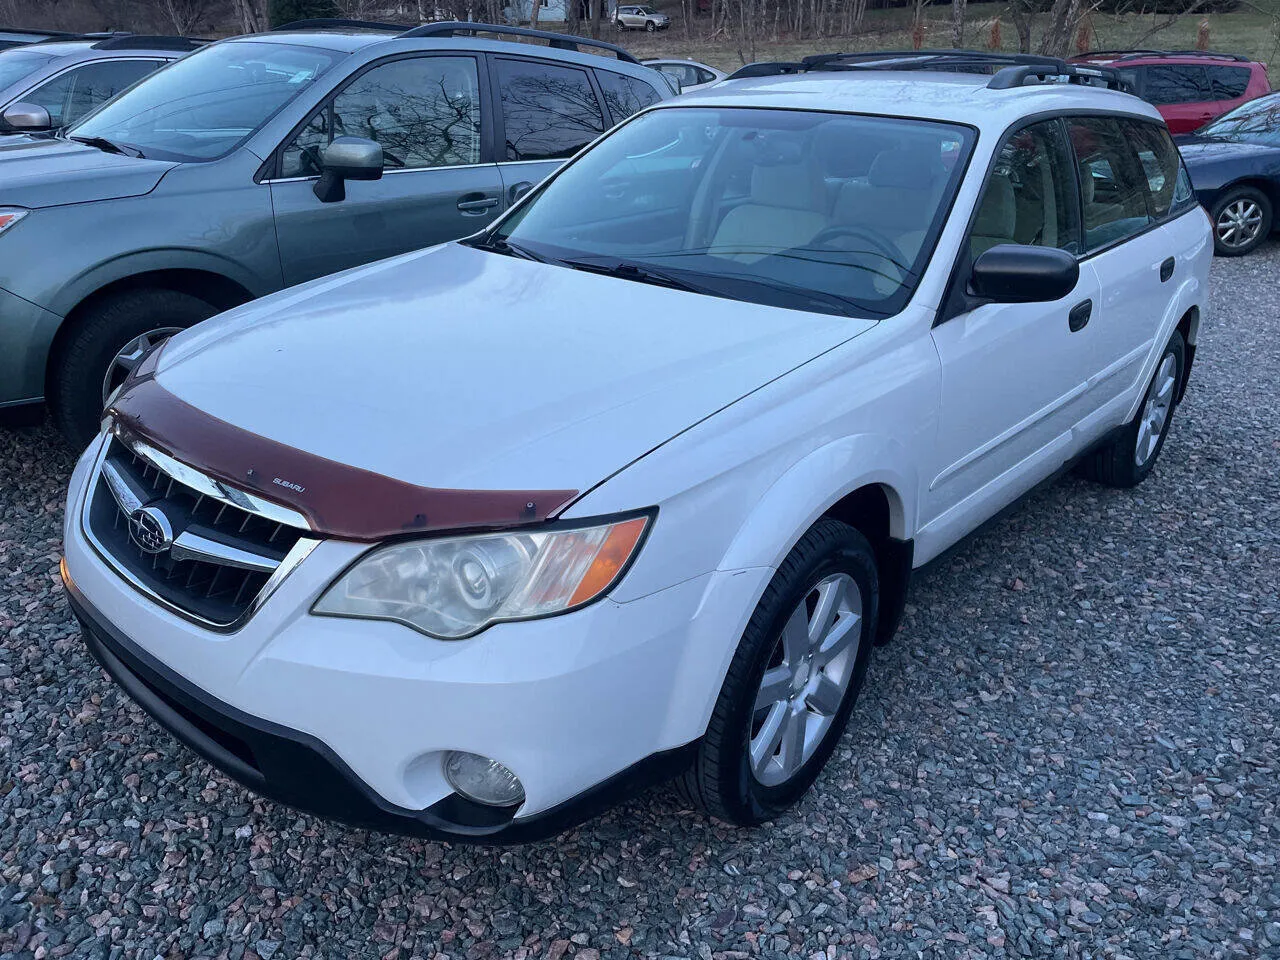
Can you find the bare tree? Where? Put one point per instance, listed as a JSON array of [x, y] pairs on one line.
[[535, 11], [184, 14], [1169, 21], [1023, 15], [957, 22], [252, 15], [1064, 17]]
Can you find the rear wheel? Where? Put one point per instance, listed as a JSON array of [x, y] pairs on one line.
[[109, 340], [793, 681], [1131, 456], [1241, 221]]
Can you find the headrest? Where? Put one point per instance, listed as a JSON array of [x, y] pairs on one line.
[[904, 169], [783, 176]]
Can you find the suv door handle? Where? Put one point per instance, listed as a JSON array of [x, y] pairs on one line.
[[476, 203], [1079, 315], [1166, 270]]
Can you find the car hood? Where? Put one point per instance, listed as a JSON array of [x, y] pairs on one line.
[[464, 369], [46, 173], [1201, 149]]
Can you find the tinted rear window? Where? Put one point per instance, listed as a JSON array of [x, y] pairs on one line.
[[1227, 83], [625, 95], [1176, 83], [549, 111]]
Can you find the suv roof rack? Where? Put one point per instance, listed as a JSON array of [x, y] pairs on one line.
[[48, 34], [1010, 69], [143, 42], [338, 23], [561, 41], [1136, 54]]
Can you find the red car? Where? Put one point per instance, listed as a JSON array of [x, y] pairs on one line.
[[1188, 87]]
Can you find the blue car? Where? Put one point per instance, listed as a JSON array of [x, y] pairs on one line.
[[1234, 164]]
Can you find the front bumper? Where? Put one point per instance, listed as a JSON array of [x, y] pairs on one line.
[[351, 719]]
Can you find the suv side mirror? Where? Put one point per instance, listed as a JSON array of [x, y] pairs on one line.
[[28, 117], [1013, 273], [347, 158]]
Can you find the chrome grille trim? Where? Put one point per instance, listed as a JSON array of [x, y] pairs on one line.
[[197, 544]]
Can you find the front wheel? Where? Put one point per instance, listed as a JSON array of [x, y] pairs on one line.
[[108, 341], [1127, 460], [650, 26], [793, 681], [1241, 221]]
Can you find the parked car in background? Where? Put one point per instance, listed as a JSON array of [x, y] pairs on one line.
[[1188, 87], [18, 36], [689, 75], [262, 161], [1234, 164], [640, 17], [466, 542], [50, 85]]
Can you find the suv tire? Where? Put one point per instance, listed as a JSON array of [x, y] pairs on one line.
[[650, 26], [724, 779], [1126, 461], [1249, 211], [101, 333]]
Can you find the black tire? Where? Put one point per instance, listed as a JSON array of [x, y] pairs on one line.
[[100, 332], [1237, 195], [1116, 465], [720, 780], [650, 26]]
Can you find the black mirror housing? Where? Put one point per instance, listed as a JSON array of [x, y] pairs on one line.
[[347, 158], [1014, 273]]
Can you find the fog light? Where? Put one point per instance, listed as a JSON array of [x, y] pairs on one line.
[[483, 780]]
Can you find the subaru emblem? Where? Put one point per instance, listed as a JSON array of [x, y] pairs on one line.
[[150, 529]]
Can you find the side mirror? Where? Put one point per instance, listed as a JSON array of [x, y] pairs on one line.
[[28, 117], [1012, 273], [347, 158]]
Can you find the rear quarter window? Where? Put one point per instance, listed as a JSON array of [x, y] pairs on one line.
[[624, 95], [1228, 83]]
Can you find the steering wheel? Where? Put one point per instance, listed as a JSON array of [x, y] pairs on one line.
[[882, 247]]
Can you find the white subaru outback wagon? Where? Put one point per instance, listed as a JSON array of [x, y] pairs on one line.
[[466, 541]]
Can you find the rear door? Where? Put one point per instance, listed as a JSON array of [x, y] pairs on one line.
[[1229, 86], [439, 181], [1182, 92], [544, 113]]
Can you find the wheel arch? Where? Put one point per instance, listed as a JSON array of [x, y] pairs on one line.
[[1189, 327], [1268, 187]]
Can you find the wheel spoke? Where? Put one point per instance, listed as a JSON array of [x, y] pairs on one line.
[[1144, 432], [825, 697], [795, 636], [765, 743], [830, 594], [793, 741], [775, 686], [845, 633]]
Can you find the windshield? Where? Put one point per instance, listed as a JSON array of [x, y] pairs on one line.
[[16, 64], [204, 105], [831, 213], [1256, 122]]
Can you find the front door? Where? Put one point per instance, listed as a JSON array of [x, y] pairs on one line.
[[1014, 376], [437, 183]]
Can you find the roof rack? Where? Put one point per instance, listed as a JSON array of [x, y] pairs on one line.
[[48, 34], [337, 23], [561, 41], [1136, 54], [142, 42], [1010, 69]]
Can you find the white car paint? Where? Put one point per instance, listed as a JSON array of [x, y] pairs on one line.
[[741, 424], [689, 74]]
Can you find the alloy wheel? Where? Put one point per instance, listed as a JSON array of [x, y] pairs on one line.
[[1239, 223], [130, 355], [1155, 413], [807, 678]]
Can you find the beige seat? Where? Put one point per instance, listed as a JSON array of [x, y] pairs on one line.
[[896, 201], [785, 211], [997, 217]]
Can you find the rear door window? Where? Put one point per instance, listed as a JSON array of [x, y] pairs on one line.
[[1114, 185], [1176, 83], [1228, 83], [625, 96], [549, 111], [1160, 164]]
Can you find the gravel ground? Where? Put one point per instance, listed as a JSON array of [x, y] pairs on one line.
[[1072, 751]]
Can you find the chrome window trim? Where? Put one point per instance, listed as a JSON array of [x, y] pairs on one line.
[[299, 552], [388, 173]]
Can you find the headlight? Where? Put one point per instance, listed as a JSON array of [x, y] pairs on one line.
[[454, 588], [9, 216]]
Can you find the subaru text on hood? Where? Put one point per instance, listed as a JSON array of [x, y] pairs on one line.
[[260, 162], [443, 546]]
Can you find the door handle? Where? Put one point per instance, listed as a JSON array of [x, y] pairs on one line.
[[518, 190], [1079, 315], [1166, 270], [476, 203]]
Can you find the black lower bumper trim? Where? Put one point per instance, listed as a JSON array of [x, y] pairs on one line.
[[297, 769]]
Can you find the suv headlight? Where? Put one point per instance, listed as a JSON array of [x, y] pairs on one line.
[[10, 215], [455, 587]]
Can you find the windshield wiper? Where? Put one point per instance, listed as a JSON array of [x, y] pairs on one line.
[[110, 146], [633, 271], [504, 246]]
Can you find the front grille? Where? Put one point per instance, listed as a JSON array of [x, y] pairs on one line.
[[194, 550]]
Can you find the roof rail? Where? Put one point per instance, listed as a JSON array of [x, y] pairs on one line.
[[142, 42], [338, 23], [1010, 69], [1136, 54], [48, 34], [561, 41]]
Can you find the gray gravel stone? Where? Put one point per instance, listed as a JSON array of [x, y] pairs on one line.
[[1071, 751]]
